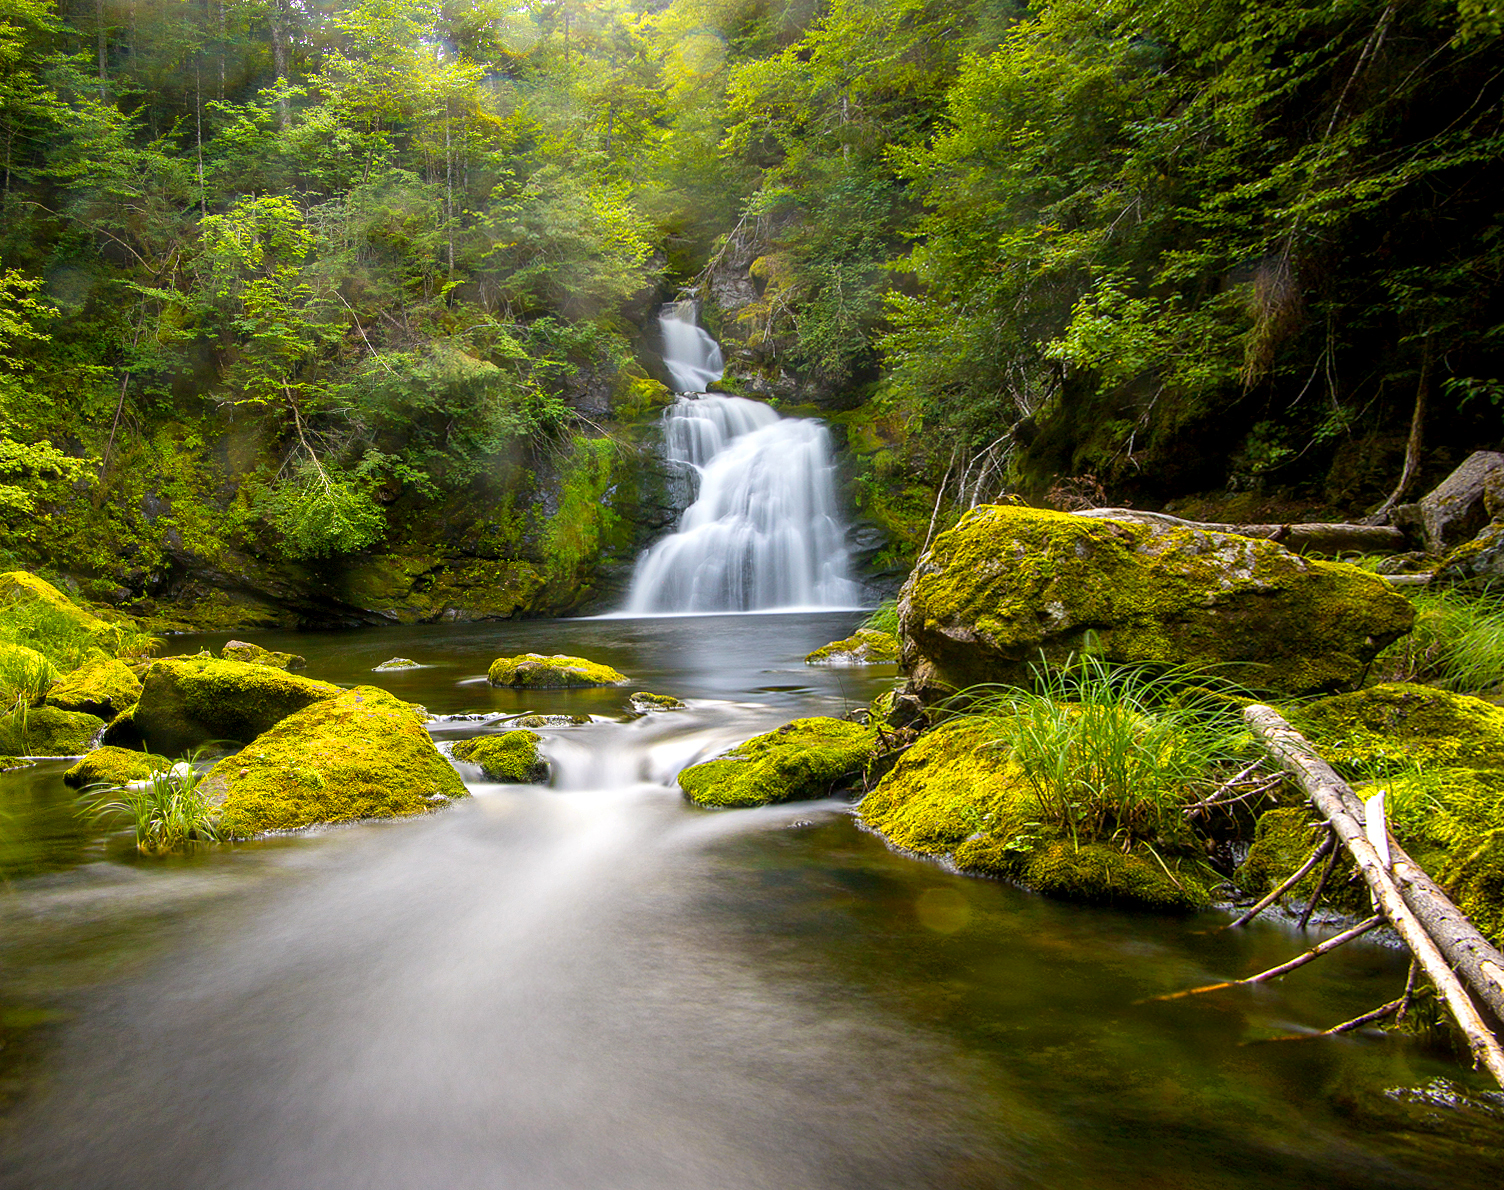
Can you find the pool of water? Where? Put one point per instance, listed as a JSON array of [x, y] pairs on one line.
[[594, 984]]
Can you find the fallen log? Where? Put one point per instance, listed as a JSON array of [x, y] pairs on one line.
[[1337, 803], [1314, 538]]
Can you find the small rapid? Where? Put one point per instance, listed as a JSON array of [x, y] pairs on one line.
[[692, 357]]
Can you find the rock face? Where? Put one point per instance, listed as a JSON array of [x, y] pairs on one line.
[[807, 758], [103, 688], [47, 731], [532, 671], [865, 646], [241, 650], [359, 754], [1458, 508], [1009, 586], [511, 757], [192, 701], [115, 766]]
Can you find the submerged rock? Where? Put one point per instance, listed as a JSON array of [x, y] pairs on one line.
[[115, 766], [511, 757], [533, 671], [865, 646], [644, 701], [360, 753], [240, 650], [395, 663], [954, 795], [185, 703], [550, 720], [1010, 585], [103, 688], [807, 758], [48, 731]]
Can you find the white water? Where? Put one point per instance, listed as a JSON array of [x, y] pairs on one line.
[[692, 357], [765, 531]]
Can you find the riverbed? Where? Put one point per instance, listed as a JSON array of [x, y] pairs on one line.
[[594, 984]]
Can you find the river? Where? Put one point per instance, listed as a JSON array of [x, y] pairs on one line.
[[595, 984]]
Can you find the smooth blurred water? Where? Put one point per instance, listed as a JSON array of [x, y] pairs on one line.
[[692, 357], [593, 984]]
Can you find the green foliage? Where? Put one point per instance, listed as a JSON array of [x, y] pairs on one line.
[[320, 512], [1457, 643], [49, 630], [885, 618], [169, 811]]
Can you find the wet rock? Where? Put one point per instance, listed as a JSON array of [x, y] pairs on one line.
[[550, 720], [1011, 586], [240, 650], [359, 754], [101, 688], [865, 646], [644, 701], [115, 766], [48, 731], [807, 758], [510, 757], [533, 671], [1457, 509], [395, 663]]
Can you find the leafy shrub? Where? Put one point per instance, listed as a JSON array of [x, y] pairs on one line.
[[25, 676], [321, 512]]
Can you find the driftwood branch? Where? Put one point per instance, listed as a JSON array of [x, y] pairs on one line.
[[1295, 878], [1340, 807], [1299, 960], [1316, 537]]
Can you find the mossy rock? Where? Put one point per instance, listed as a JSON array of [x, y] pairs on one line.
[[533, 671], [395, 663], [954, 795], [251, 654], [1398, 723], [185, 703], [48, 731], [1010, 585], [511, 757], [550, 720], [865, 646], [1474, 878], [25, 668], [115, 766], [807, 758], [102, 688], [17, 585], [360, 753], [645, 701], [9, 763]]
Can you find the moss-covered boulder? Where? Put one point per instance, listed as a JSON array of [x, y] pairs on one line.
[[807, 758], [18, 585], [533, 671], [550, 720], [1009, 585], [252, 654], [104, 688], [361, 753], [395, 663], [1399, 723], [865, 646], [954, 795], [188, 702], [48, 731], [115, 766], [7, 763], [511, 757], [1473, 877], [645, 701]]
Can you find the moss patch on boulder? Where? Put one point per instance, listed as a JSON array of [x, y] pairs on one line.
[[645, 700], [1402, 723], [103, 688], [360, 753], [252, 654], [511, 757], [18, 585], [865, 646], [48, 731], [1009, 585], [192, 701], [533, 671], [115, 766], [807, 758]]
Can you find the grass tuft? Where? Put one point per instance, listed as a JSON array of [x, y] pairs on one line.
[[1457, 643], [168, 810], [884, 618]]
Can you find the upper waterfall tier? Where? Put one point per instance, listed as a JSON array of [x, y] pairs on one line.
[[765, 531], [692, 357]]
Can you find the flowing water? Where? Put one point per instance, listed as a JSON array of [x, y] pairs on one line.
[[692, 357], [593, 984]]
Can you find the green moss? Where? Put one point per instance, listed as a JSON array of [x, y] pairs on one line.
[[21, 585], [359, 754], [1397, 723], [48, 731], [866, 646], [644, 701], [635, 395], [115, 766], [1094, 873], [533, 671], [240, 650], [394, 664], [1474, 878], [189, 702], [578, 531], [7, 763], [511, 757], [550, 720], [807, 758], [102, 688], [1009, 584]]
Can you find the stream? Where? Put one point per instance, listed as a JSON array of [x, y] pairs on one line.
[[595, 984]]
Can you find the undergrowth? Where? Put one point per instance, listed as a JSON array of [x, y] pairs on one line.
[[884, 618], [168, 810], [1457, 643]]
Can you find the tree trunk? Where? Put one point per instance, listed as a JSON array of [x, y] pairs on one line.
[[278, 14], [1412, 444], [101, 36], [1316, 537]]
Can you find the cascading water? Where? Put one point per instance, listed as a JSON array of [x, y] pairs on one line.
[[692, 357]]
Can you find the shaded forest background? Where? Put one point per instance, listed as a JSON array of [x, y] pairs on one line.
[[331, 313]]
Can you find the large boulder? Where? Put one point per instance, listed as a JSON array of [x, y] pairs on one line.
[[1481, 559], [510, 757], [104, 687], [533, 671], [115, 766], [1010, 586], [48, 731], [21, 585], [1458, 507], [807, 758], [361, 753], [191, 701]]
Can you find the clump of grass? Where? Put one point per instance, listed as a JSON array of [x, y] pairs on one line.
[[47, 629], [884, 618], [1457, 643], [24, 678], [168, 811], [1115, 753]]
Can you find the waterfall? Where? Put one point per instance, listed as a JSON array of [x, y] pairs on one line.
[[692, 357], [764, 532]]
